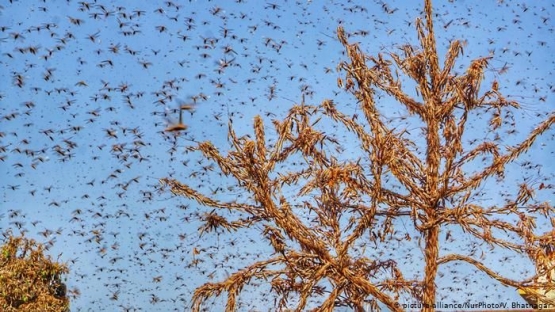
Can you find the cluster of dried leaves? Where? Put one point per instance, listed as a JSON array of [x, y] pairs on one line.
[[30, 280], [350, 202]]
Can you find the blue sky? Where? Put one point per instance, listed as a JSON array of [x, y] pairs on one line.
[[88, 88]]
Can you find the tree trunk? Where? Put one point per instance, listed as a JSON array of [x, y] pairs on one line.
[[430, 270]]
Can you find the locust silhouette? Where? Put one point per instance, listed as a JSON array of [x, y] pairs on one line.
[[180, 126]]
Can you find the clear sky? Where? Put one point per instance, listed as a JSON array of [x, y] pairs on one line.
[[87, 88]]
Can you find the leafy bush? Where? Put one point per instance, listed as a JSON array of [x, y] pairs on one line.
[[29, 279]]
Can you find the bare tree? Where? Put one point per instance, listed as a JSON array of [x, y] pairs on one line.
[[30, 280], [340, 202]]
